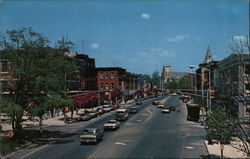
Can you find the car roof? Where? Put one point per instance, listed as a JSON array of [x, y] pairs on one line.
[[112, 121]]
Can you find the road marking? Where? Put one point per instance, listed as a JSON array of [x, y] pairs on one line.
[[120, 143], [150, 116], [33, 151], [144, 114], [189, 147]]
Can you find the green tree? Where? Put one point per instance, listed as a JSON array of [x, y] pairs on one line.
[[220, 126], [38, 72], [156, 79]]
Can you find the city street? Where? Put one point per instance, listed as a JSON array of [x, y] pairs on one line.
[[147, 134]]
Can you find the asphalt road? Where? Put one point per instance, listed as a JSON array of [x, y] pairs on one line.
[[147, 134]]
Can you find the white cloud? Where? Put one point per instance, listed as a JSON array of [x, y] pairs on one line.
[[162, 52], [178, 38], [239, 37], [94, 46], [145, 16]]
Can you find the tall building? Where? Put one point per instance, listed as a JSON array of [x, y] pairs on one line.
[[166, 74]]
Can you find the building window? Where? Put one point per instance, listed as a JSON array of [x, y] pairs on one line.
[[112, 85], [101, 85], [101, 75], [112, 75], [3, 86], [107, 86], [106, 75], [4, 66], [247, 70]]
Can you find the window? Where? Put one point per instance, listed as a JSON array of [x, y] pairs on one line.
[[247, 70], [112, 75], [106, 75], [101, 75], [4, 66], [112, 85], [107, 86], [101, 85], [3, 86]]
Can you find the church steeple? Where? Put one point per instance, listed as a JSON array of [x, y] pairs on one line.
[[208, 57]]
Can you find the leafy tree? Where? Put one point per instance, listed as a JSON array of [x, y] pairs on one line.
[[38, 72], [220, 126], [156, 79], [147, 78]]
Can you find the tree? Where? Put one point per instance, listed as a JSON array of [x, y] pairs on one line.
[[38, 72], [156, 79], [220, 126]]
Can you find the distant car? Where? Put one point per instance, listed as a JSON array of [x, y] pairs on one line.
[[84, 117], [91, 135], [165, 110], [112, 124], [156, 102], [132, 110], [160, 106], [138, 103], [172, 108]]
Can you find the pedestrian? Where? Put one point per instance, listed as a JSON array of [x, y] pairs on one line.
[[100, 112]]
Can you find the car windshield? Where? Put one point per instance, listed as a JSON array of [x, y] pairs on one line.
[[111, 122], [89, 131]]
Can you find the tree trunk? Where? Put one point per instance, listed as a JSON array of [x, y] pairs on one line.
[[40, 124]]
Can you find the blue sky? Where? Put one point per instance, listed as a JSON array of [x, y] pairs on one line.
[[139, 35]]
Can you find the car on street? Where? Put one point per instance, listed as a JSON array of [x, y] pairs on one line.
[[91, 135], [160, 106], [138, 103], [132, 110], [121, 114], [156, 102], [172, 108], [111, 125], [84, 117], [165, 110]]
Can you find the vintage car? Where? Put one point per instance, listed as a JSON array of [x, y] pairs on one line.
[[111, 125], [91, 135]]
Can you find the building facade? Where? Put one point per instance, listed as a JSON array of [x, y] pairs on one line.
[[234, 83], [166, 74]]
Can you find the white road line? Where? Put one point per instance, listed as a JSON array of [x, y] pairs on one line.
[[150, 116], [34, 151]]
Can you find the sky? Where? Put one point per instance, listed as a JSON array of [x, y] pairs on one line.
[[139, 35]]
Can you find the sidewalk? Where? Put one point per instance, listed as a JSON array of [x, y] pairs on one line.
[[229, 151], [57, 121]]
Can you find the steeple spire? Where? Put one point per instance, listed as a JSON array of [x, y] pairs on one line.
[[208, 57]]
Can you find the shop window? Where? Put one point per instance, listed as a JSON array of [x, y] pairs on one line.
[[112, 85]]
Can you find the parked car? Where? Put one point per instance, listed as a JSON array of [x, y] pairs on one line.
[[84, 117], [132, 110], [160, 106], [91, 135], [172, 108], [112, 124], [165, 110]]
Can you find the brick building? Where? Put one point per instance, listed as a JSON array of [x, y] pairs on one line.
[[118, 82]]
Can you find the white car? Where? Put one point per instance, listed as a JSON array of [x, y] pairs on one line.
[[112, 124], [165, 110], [160, 106]]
